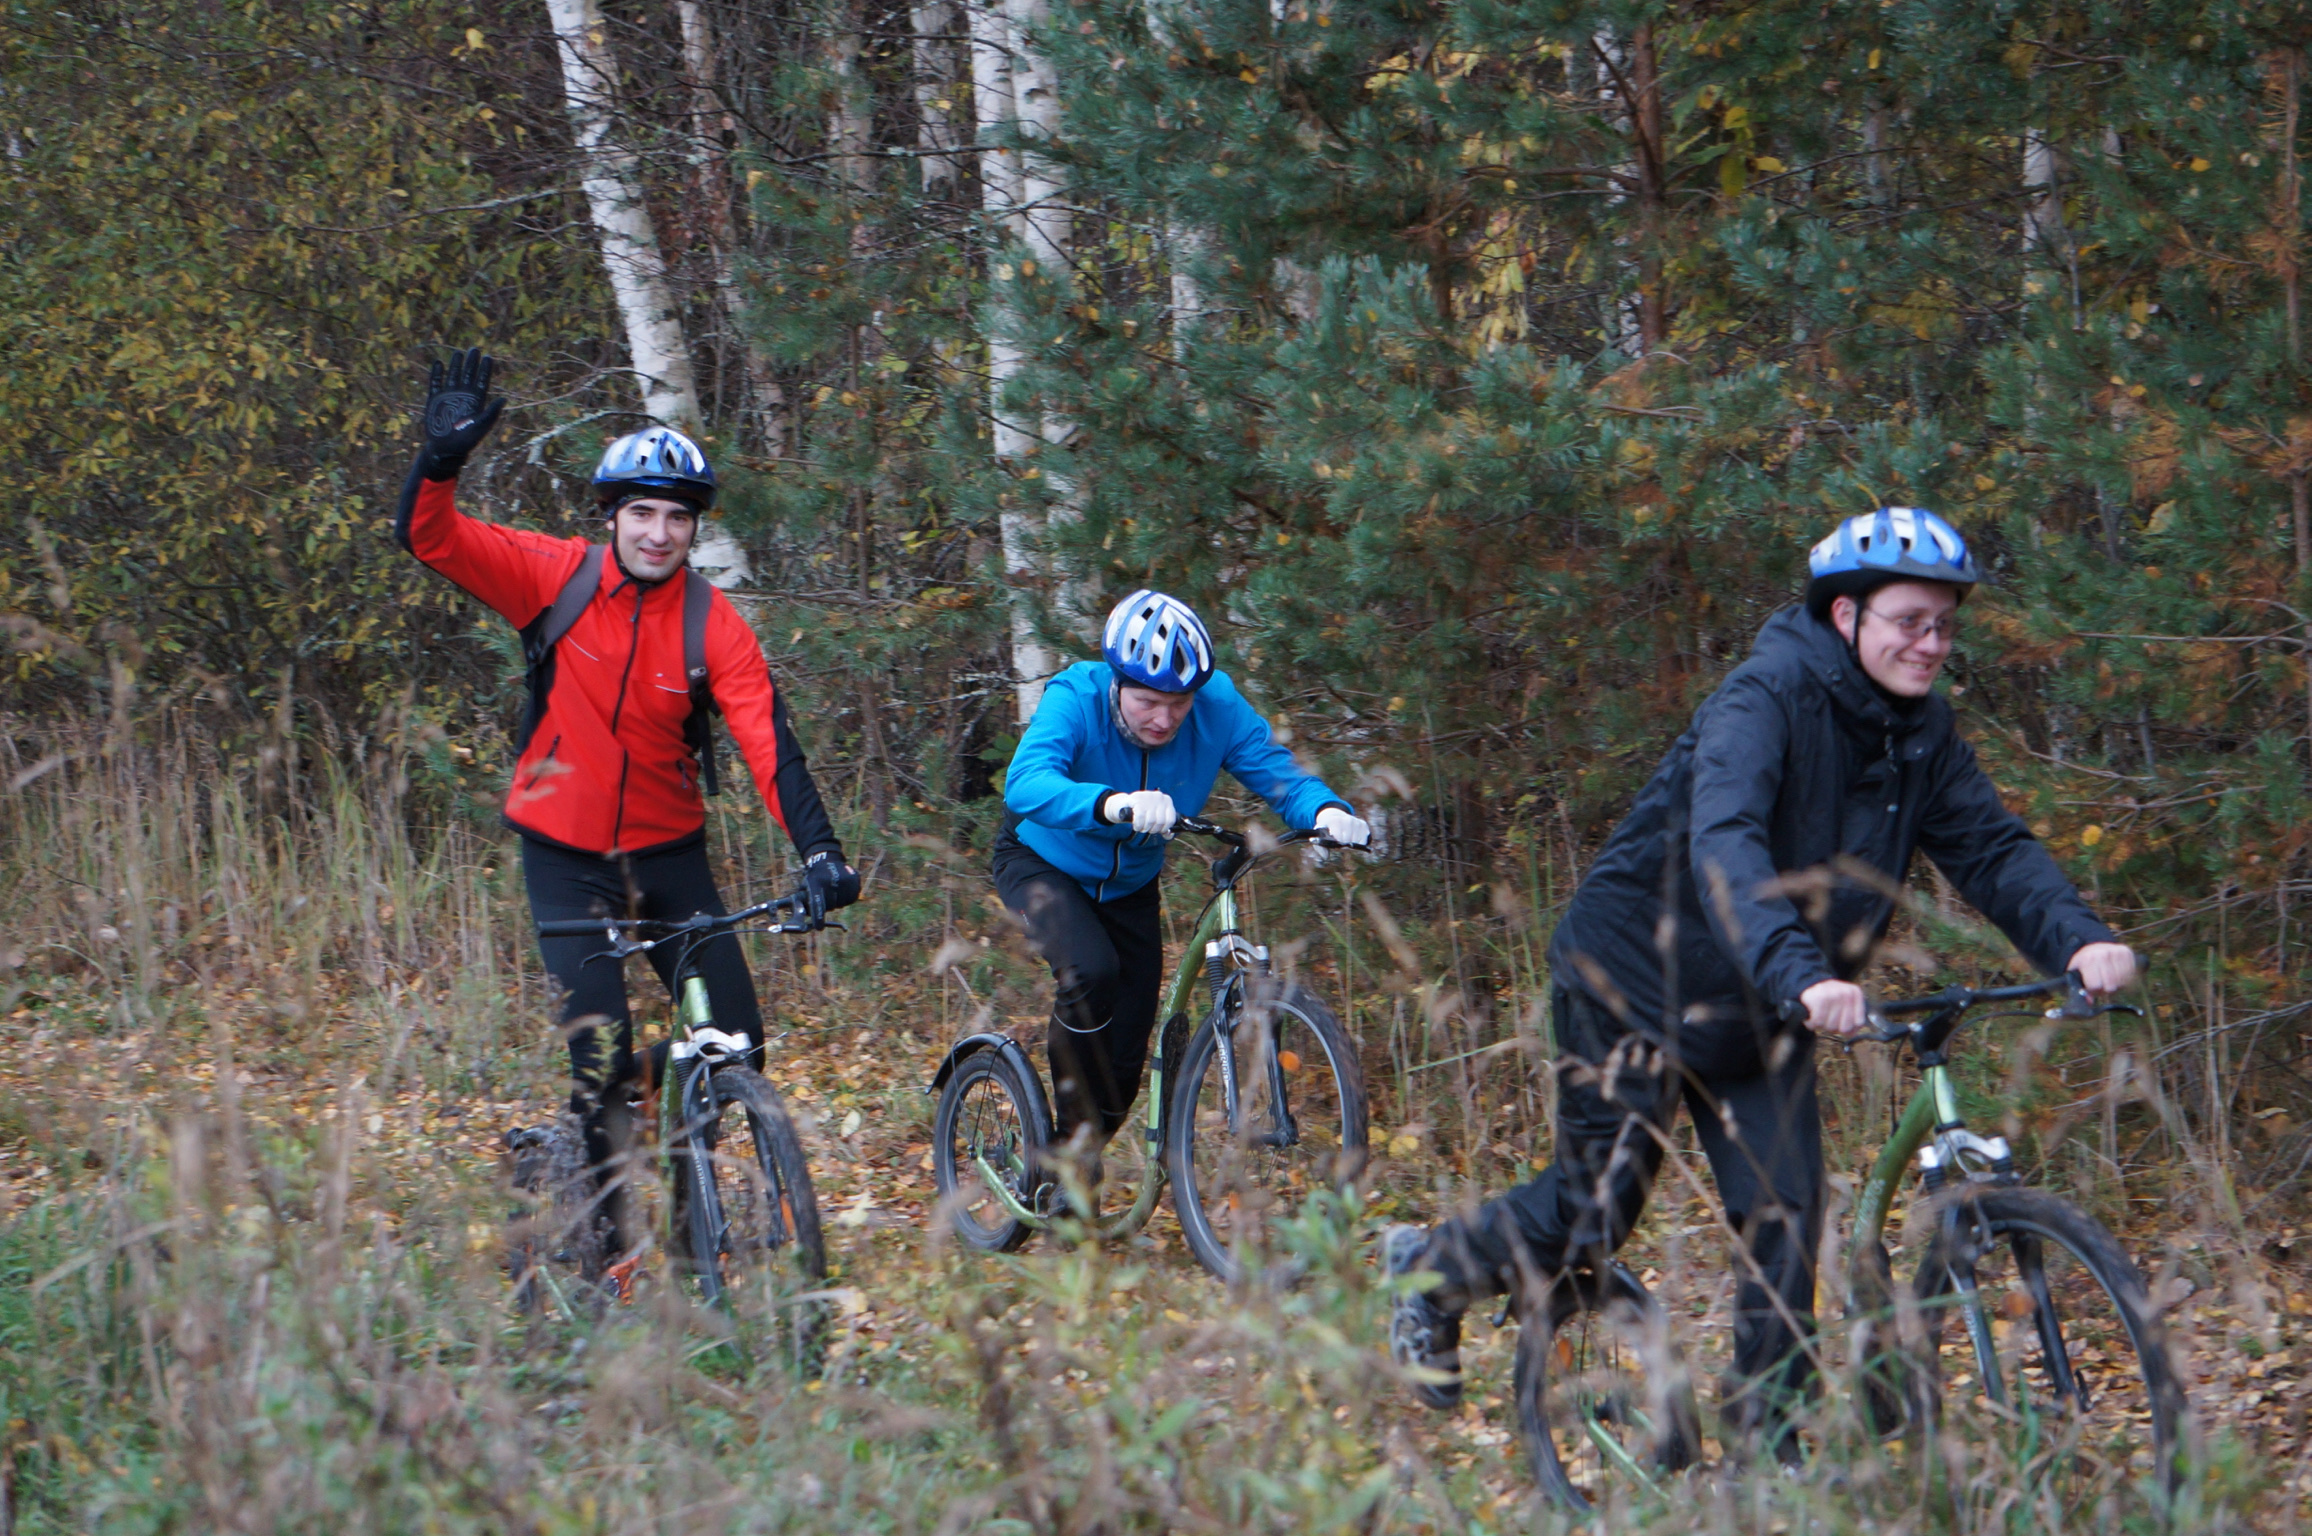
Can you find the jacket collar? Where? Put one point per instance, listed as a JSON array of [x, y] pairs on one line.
[[1796, 636]]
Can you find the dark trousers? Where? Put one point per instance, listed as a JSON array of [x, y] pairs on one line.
[[1754, 1107], [671, 884], [1107, 960]]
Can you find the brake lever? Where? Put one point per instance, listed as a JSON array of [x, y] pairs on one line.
[[2078, 1002]]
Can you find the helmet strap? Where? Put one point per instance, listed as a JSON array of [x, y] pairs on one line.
[[1852, 639]]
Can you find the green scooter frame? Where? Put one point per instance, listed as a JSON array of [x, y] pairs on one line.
[[1220, 941]]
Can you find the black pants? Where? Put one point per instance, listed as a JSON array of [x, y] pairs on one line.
[[1754, 1106], [673, 884], [1107, 960]]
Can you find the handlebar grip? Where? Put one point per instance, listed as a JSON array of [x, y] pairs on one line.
[[573, 927]]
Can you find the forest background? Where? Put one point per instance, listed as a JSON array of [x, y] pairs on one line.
[[1482, 369]]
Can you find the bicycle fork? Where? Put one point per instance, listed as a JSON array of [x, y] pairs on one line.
[[1252, 960]]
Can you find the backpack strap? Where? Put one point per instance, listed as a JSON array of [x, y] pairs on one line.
[[543, 633], [697, 602]]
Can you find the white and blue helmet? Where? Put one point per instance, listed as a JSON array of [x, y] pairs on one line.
[[1892, 544], [657, 461], [1157, 642]]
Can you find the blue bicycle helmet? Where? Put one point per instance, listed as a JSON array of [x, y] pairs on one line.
[[657, 461], [1892, 544], [1157, 642]]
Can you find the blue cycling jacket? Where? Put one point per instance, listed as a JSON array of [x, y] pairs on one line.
[[1074, 752]]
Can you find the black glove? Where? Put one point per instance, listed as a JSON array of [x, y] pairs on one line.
[[828, 884], [458, 413]]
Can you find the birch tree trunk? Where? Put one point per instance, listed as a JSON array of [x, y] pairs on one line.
[[1047, 227], [612, 180], [1016, 442], [1045, 222], [851, 128], [935, 133], [1624, 311]]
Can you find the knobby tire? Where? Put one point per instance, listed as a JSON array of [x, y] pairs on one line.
[[769, 1180], [1301, 1015]]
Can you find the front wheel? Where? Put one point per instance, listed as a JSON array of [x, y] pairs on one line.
[[745, 1214], [1603, 1399], [1296, 1124], [2041, 1338]]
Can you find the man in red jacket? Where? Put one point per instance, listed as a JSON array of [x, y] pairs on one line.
[[605, 791]]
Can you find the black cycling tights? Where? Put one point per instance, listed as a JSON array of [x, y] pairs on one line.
[[672, 884], [1107, 960]]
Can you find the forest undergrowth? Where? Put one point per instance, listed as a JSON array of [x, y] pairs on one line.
[[264, 1050]]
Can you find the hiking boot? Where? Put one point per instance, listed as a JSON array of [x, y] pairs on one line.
[[1422, 1335], [1053, 1202]]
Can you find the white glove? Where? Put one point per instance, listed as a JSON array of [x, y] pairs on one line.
[[1347, 830], [1149, 811]]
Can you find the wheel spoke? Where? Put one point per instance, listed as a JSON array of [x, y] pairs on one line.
[[2092, 1406]]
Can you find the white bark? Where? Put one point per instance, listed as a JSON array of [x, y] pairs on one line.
[[1047, 226], [1623, 320], [613, 186], [935, 83], [720, 557], [2043, 214], [1045, 220], [994, 108], [851, 129]]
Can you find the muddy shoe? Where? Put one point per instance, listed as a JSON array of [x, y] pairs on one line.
[[1423, 1337]]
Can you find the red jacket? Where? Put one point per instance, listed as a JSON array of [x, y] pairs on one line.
[[608, 769]]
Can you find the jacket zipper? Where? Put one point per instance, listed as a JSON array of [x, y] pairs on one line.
[[618, 710], [1116, 859], [537, 772]]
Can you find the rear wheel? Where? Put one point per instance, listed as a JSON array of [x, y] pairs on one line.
[[1297, 1125], [988, 1134], [1603, 1400], [2042, 1340], [556, 1227], [746, 1217]]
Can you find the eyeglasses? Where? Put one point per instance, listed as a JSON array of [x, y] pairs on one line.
[[1917, 626]]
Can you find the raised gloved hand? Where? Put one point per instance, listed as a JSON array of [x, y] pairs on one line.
[[1147, 811], [1349, 830], [459, 412], [829, 884]]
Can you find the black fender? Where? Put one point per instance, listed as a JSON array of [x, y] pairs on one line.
[[1004, 1045]]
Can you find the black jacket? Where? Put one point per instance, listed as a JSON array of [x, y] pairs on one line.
[[1795, 760]]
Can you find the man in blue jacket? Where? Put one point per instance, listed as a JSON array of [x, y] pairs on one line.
[[1712, 917], [1119, 750]]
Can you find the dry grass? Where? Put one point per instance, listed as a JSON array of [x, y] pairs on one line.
[[264, 1048]]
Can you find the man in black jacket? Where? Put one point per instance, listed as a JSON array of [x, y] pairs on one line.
[[1827, 750]]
